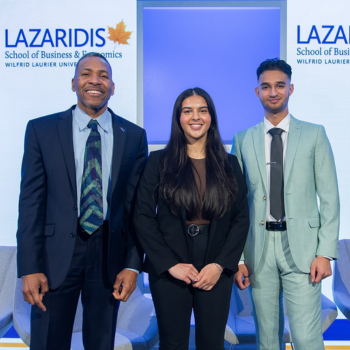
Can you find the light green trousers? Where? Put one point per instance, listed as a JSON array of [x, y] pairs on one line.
[[276, 275]]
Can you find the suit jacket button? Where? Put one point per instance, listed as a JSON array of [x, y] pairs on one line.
[[262, 222], [264, 198], [75, 207], [72, 234]]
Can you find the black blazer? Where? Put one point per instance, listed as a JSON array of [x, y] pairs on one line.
[[162, 234], [47, 222]]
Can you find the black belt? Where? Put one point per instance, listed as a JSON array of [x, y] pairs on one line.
[[276, 226], [194, 230]]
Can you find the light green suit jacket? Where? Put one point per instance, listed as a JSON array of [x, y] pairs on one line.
[[309, 173]]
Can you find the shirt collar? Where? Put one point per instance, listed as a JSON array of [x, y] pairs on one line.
[[284, 124], [82, 119]]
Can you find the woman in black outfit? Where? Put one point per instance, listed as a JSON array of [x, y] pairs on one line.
[[191, 219]]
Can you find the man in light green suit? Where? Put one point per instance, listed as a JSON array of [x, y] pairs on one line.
[[287, 164]]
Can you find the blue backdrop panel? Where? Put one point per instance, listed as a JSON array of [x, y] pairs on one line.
[[217, 49]]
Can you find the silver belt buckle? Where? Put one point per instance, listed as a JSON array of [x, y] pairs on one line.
[[193, 230]]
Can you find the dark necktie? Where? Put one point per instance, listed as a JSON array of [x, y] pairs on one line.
[[91, 202], [276, 175]]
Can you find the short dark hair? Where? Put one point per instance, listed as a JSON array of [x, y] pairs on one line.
[[274, 64], [92, 54]]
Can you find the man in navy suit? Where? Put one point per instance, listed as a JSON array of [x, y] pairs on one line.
[[61, 254]]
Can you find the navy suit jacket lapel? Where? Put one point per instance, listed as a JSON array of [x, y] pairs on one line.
[[119, 138], [65, 133]]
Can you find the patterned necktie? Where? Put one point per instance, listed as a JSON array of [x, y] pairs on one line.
[[276, 175], [91, 202]]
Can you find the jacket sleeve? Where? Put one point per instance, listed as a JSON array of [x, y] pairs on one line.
[[32, 208], [145, 220], [231, 251], [134, 252], [327, 191]]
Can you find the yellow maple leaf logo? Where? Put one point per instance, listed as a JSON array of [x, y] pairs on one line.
[[119, 35]]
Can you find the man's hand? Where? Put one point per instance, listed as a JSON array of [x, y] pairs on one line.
[[320, 269], [241, 278], [34, 287], [208, 277], [184, 272], [125, 284]]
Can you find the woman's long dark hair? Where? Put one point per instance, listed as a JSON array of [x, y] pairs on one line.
[[178, 186]]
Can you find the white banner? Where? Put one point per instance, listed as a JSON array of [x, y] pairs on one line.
[[319, 52], [40, 43]]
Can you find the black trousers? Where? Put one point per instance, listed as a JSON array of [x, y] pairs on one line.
[[52, 330], [174, 300]]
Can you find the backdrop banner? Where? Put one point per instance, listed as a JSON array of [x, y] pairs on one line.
[[318, 51], [40, 43]]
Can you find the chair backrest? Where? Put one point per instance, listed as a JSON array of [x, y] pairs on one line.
[[342, 266], [7, 274], [78, 322], [21, 313], [7, 287], [241, 304], [124, 307], [7, 265]]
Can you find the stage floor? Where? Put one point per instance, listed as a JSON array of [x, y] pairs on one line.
[[339, 330], [17, 344]]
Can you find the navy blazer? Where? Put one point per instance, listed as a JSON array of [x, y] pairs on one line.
[[47, 223], [162, 234]]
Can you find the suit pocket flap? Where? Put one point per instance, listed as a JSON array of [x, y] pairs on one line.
[[314, 222], [49, 230]]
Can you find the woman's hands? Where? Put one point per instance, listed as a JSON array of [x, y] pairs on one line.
[[208, 277], [184, 272]]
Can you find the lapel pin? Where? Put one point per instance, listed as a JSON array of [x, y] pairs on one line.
[[122, 129]]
